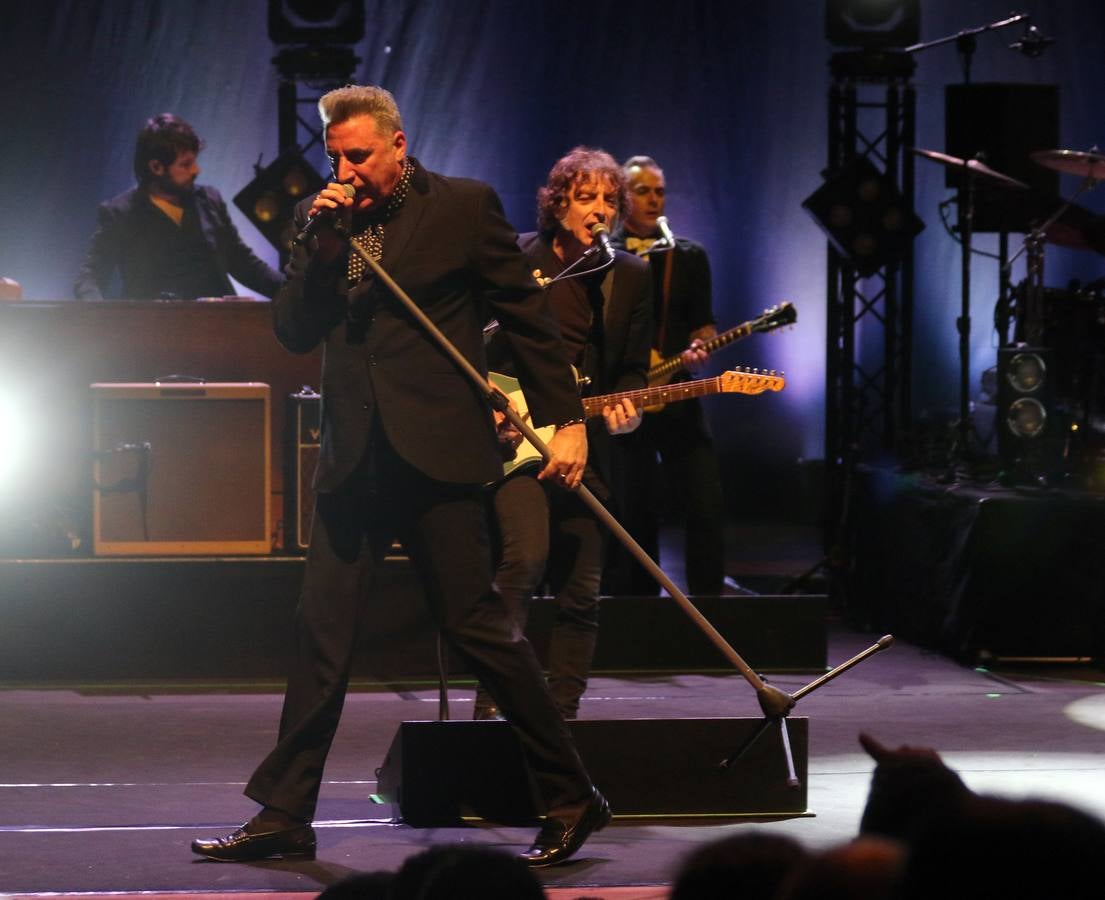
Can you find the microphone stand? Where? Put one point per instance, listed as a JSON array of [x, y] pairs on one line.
[[771, 718], [963, 323], [568, 272], [965, 41], [774, 703]]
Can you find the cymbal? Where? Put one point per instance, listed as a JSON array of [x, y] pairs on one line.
[[1072, 162], [974, 165], [1076, 227]]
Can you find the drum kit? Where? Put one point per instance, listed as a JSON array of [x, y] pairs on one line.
[[1042, 317]]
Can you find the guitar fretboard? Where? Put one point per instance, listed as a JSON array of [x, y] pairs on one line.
[[674, 363], [653, 396]]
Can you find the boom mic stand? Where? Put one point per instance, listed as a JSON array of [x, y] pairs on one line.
[[775, 703]]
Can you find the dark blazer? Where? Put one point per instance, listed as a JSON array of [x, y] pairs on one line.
[[688, 306], [451, 249], [131, 241]]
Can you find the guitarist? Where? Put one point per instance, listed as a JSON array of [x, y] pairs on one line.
[[679, 434], [605, 318]]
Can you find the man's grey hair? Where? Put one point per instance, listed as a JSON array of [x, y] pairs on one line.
[[640, 162], [354, 100]]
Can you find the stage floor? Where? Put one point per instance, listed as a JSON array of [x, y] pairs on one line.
[[104, 786]]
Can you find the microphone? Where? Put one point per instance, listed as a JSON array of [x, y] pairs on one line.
[[601, 235], [326, 217], [665, 230], [1032, 43]]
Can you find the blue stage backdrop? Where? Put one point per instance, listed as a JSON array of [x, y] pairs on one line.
[[729, 97]]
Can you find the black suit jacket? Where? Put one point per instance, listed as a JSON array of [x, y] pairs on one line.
[[130, 241], [688, 306], [451, 249]]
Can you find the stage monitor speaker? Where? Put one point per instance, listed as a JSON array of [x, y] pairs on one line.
[[1033, 431], [440, 773], [180, 469], [1005, 123], [302, 433]]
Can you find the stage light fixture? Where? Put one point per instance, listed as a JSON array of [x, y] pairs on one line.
[[864, 216], [873, 24], [269, 200], [316, 21]]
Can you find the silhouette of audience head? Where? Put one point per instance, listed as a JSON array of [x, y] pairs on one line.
[[996, 847], [909, 786], [751, 866], [867, 868], [360, 886], [465, 872]]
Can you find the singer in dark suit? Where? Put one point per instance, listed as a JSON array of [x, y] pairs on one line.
[[407, 443], [168, 238], [605, 315]]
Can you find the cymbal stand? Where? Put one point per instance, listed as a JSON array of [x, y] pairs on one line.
[[1032, 317], [961, 449], [777, 714]]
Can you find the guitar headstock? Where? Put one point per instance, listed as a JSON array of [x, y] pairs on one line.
[[751, 381], [777, 317]]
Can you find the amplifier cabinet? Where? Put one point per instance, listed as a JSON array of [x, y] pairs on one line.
[[180, 469]]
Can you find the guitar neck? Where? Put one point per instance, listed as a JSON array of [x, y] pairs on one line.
[[654, 396], [675, 363]]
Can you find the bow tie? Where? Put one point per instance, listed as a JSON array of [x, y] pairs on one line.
[[638, 244]]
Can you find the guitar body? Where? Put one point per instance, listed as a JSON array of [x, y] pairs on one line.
[[526, 456]]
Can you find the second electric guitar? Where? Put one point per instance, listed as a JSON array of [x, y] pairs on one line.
[[662, 370], [735, 381]]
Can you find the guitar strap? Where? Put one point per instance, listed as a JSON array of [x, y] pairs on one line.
[[665, 299]]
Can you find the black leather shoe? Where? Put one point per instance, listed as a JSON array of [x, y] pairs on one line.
[[565, 829], [243, 846]]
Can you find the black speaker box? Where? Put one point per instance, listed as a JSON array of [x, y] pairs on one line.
[[180, 469], [1006, 123], [1027, 402], [302, 432], [440, 773]]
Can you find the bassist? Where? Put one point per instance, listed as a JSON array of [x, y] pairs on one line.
[[678, 437]]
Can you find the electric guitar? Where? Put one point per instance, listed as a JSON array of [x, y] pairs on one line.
[[735, 381], [662, 370]]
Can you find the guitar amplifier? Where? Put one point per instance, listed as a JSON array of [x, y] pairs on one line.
[[301, 449], [180, 469]]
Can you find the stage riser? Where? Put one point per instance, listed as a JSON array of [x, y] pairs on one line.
[[126, 619], [981, 574], [438, 773]]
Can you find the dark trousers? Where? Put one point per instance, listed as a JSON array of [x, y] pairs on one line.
[[548, 534], [444, 529], [672, 449]]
